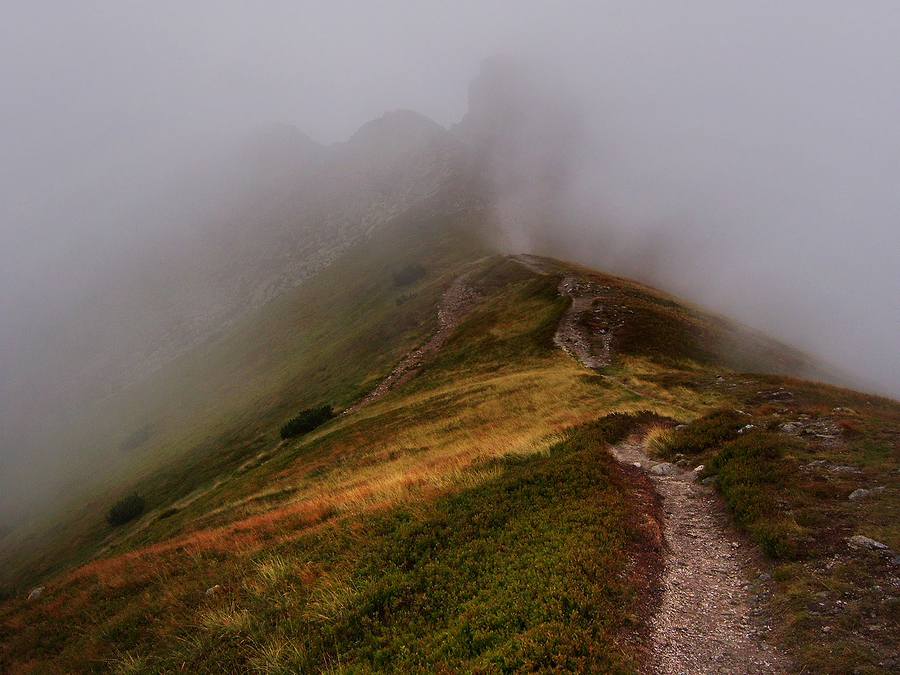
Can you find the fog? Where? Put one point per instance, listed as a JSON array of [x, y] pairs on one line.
[[742, 155]]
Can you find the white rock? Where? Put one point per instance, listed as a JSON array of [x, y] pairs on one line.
[[664, 469], [694, 475], [859, 542]]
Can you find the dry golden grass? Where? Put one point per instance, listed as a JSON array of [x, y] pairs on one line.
[[656, 439], [276, 656], [329, 599], [445, 436], [444, 432], [225, 620]]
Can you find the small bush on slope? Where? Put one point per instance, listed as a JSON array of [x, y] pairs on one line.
[[306, 421], [409, 275], [704, 433], [125, 510]]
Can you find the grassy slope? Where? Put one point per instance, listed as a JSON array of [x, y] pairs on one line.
[[399, 537], [787, 482], [216, 407], [304, 541]]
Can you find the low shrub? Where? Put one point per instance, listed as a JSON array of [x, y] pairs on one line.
[[523, 573], [850, 427], [137, 438], [408, 275], [704, 433], [306, 421], [754, 477], [125, 510]]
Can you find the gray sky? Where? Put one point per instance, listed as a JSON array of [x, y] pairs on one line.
[[747, 154]]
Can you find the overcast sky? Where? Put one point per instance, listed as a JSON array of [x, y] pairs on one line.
[[748, 153]]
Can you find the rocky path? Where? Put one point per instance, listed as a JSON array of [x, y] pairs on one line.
[[457, 301], [709, 620], [584, 333], [586, 329]]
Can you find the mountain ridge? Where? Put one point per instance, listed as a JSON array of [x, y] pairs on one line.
[[488, 496], [497, 402]]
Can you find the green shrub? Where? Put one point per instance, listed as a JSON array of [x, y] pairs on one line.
[[709, 431], [659, 333], [306, 421], [125, 510], [408, 275], [754, 477], [137, 438]]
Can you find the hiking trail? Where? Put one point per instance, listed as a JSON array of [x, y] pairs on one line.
[[457, 301], [710, 619]]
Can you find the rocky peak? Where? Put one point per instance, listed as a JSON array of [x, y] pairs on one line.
[[394, 135]]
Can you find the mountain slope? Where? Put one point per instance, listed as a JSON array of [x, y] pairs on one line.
[[434, 527], [463, 509]]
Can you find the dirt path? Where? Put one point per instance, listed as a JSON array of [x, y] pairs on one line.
[[586, 330], [709, 620], [457, 301]]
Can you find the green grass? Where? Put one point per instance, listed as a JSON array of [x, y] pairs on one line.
[[529, 571], [471, 519]]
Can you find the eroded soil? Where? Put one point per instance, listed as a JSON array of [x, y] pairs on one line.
[[457, 301], [710, 619]]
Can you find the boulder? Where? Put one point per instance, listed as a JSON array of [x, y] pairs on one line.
[[664, 469], [862, 492], [861, 543]]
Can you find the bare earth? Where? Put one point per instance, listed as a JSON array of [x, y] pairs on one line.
[[708, 621], [457, 301]]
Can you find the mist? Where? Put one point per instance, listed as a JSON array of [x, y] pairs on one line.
[[743, 156]]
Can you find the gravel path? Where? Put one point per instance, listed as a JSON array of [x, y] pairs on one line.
[[709, 620], [457, 301], [584, 332]]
